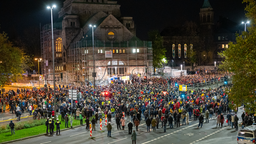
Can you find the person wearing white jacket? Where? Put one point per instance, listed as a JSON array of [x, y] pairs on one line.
[[30, 109]]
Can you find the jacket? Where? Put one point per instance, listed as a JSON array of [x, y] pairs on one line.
[[136, 122], [123, 122], [134, 136], [58, 124], [109, 127], [148, 122], [153, 122], [130, 125]]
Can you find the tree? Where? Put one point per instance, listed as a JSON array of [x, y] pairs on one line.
[[158, 50], [12, 60], [240, 58]]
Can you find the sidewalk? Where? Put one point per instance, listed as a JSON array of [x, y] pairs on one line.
[[7, 116]]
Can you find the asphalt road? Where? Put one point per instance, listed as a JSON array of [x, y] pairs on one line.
[[188, 134]]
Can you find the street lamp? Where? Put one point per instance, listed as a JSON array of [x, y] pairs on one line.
[[248, 22], [93, 73], [181, 67], [53, 67], [39, 60], [214, 63]]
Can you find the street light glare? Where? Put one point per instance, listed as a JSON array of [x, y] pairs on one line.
[[35, 58], [248, 22], [90, 25], [48, 7], [94, 25], [54, 6]]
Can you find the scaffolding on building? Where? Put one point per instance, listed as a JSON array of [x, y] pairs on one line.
[[128, 58]]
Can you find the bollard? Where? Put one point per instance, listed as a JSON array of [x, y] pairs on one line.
[[100, 124], [106, 121], [90, 130]]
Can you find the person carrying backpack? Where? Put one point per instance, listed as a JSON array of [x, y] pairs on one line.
[[11, 125]]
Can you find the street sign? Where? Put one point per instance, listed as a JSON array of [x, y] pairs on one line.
[[72, 94]]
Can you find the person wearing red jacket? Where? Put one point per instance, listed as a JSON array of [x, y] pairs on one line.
[[163, 111]]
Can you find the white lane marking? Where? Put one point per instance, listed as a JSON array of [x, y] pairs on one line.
[[117, 140], [209, 135], [169, 133], [45, 142], [77, 134]]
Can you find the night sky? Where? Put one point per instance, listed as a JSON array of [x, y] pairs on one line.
[[19, 15]]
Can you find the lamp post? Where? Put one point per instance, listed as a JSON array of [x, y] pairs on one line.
[[248, 22], [93, 73], [180, 66], [38, 60], [53, 67]]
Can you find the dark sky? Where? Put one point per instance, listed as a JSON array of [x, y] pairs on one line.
[[19, 15]]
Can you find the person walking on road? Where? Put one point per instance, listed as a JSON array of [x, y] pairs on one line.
[[207, 116], [66, 121], [57, 126], [170, 119], [148, 122], [118, 123], [136, 123], [178, 120], [123, 122], [93, 124], [71, 118], [81, 118], [201, 121], [153, 123], [134, 137], [47, 125], [109, 127], [130, 125], [236, 122], [11, 125]]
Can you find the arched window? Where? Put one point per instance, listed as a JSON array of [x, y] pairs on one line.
[[173, 50], [111, 35], [185, 50], [179, 50], [58, 44]]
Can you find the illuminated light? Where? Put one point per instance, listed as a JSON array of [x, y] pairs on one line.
[[111, 33], [54, 6], [48, 7]]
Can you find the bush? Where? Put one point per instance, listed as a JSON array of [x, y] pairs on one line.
[[3, 127], [5, 131], [7, 126], [32, 125], [26, 126], [18, 126]]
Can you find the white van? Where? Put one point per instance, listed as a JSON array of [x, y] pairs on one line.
[[247, 135]]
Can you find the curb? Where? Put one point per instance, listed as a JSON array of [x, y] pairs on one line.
[[38, 135], [15, 119]]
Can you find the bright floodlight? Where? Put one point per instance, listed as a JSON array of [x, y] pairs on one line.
[[94, 25], [48, 7], [242, 22], [90, 25], [54, 6], [248, 22], [35, 58]]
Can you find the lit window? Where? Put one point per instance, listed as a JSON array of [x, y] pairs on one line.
[[58, 44], [120, 51], [134, 50], [116, 50], [101, 51], [61, 67], [185, 50], [226, 45], [98, 50], [58, 55], [179, 50], [138, 50], [218, 37], [113, 51], [223, 46], [123, 50], [173, 50], [111, 35]]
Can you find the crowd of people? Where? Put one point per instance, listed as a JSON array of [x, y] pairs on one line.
[[149, 100]]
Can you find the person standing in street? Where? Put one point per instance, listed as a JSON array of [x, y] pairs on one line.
[[207, 116], [123, 122], [93, 124], [136, 123], [109, 127], [153, 123], [71, 118], [148, 122], [178, 120], [170, 119], [81, 118], [11, 125], [236, 122], [51, 127], [66, 121], [134, 137], [165, 123], [47, 125], [130, 125], [118, 123], [201, 121], [57, 126]]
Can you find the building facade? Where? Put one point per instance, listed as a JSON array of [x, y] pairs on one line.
[[205, 37], [117, 50]]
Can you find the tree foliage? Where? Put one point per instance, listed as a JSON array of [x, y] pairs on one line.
[[240, 58], [158, 49], [12, 61]]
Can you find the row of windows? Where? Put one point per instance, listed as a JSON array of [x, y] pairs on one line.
[[224, 46], [116, 51], [58, 68], [222, 37], [179, 50], [58, 55], [116, 71]]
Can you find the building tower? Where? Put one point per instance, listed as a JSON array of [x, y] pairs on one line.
[[206, 18]]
